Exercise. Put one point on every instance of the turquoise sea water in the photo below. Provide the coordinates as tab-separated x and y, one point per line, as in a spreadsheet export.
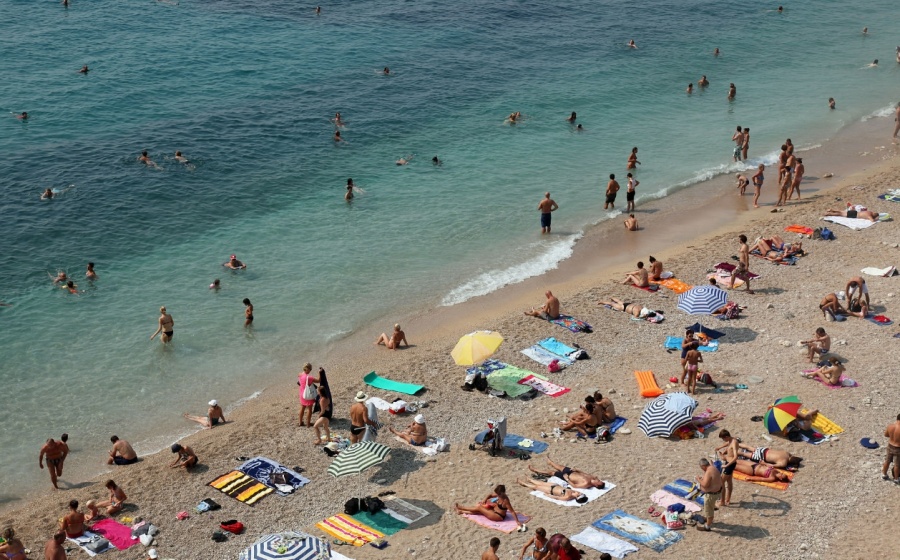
246	90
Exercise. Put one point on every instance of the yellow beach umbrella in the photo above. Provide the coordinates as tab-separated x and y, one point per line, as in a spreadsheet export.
476	347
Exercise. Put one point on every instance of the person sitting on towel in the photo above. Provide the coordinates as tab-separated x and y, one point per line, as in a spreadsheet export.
548	311
803	422
494	507
584	421
830	374
760	472
553	491
416	433
775	457
604	409
656	268
638	277
575	477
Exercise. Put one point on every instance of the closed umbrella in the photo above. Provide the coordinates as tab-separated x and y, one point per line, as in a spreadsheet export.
666	413
291	545
476	347
357	458
702	300
782	413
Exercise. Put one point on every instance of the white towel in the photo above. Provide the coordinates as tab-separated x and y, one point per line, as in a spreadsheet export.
852	223
603	542
338	556
591	493
380	404
872	271
667	274
86	538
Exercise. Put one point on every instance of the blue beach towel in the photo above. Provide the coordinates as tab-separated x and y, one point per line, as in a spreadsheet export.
556	347
543	356
617	423
675	342
572	324
262	468
486	367
637	530
512	441
685	489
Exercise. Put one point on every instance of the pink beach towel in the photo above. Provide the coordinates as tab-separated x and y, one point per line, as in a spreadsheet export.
665	499
544	386
508	525
116	533
845	382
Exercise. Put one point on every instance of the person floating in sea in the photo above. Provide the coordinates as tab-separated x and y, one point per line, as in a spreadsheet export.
873	64
579	128
348	196
629	192
386	71
180	158
318	10
690	88
337	136
23	116
632	159
337	120
703	82
631	44
780	9
216	285
60	277
166	326
611	189
145	159
546	206
248	313
214	416
831	103
234	264
84	69
73	289
47	194
716	52
732	91
405	159
513	118
865	30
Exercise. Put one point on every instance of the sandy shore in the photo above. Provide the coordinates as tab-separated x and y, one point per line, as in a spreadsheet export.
835	508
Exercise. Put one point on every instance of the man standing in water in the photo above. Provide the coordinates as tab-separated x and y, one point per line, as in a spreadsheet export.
166	326
55	452
611	189
546	206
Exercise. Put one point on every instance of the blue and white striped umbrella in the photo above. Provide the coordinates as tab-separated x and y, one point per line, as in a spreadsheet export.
291	545
667	413
702	300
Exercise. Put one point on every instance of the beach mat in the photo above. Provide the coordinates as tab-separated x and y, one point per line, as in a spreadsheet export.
651	288
381	522
242	487
603	542
591	493
675	285
796	228
776	485
617	423
637	530
261	468
544	356
86	538
825	426
883	272
507	380
685	489
891	196
666	499
850	383
674	342
544	386
573	324
508	525
647	385
512	441
117	534
386	384
402	510
349	530
852	223
723	280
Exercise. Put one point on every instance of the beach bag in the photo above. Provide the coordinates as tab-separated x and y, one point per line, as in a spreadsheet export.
373	504
441	444
97	544
351	506
817	233
707	379
310	391
732	310
232	526
553	366
672	521
219	536
279	478
828	235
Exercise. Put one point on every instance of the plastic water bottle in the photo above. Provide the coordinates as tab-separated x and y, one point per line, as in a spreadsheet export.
767	438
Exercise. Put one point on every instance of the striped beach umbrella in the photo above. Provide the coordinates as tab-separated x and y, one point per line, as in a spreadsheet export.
291	545
702	300
782	413
357	458
666	413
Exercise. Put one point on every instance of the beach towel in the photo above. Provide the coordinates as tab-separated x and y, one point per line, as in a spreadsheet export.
651	288
685	489
723	280
845	382
262	468
512	441
675	343
708	332
885	272
665	499
544	386
675	285
572	324
347	529
647	385
728	268
402	510
891	196
335	555
617	423
603	542
879	320
507	380
635	529
795	228
386	384
556	347
86	538
825	426
852	223
544	357
381	522
591	493
508	525
776	485
380	404
242	487
117	534
486	367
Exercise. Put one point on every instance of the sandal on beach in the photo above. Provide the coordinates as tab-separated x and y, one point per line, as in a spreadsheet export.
756	418
741	386
338	542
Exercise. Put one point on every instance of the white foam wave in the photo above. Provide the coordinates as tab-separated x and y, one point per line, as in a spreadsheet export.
879	113
495	279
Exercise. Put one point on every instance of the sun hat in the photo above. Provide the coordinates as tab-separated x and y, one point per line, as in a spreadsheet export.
214	402
868	443
361	397
419	419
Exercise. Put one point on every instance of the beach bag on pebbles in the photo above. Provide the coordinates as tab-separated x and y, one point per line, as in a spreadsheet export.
351	506
373	504
672	521
97	544
233	526
553	366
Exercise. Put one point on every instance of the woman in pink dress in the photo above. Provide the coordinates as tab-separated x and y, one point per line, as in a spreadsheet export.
306	406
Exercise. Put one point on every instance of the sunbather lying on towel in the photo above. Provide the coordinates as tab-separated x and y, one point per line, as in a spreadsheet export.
634	309
830	374
857	211
493	507
775	457
760	472
803	421
553	491
585	421
575	477
702	422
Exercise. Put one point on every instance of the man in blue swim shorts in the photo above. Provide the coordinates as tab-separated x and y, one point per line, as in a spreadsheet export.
546	206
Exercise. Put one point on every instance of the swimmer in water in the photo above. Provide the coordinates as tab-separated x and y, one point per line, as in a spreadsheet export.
703	81
690	88
780	9
90	274
349	195
337	136
234	264
513	118
632	159
145	159
631	44
337	120
571	118
216	285
47	194
405	160
318	10
873	65
84	69
23	116
831	103
716	52
73	289
732	91
898	55
579	128
180	158
386	71
60	277
436	162
865	30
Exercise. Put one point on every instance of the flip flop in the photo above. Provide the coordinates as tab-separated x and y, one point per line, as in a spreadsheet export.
756	418
651	509
741	386
656	514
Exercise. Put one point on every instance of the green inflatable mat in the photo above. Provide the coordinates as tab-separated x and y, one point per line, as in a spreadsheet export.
379	382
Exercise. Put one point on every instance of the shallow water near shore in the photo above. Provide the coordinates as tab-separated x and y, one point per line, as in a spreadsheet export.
245	90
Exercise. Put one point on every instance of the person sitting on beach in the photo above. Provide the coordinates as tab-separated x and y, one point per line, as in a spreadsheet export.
656	269
53	549
830	304
116	499
638	277
603	408
491	552
234	264
93	512
803	422
775	457
548	311
73	522
583	421
494	507
393	341
858	308
214	416
830	374
561	548
186	458
554	491
540	543
631	223
13	548
415	434
759	472
634	309
818	345
121	453
574	477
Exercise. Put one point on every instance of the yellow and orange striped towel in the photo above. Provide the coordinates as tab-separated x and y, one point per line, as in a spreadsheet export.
349	530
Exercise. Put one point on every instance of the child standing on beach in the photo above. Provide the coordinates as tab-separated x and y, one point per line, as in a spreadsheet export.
693	358
758	179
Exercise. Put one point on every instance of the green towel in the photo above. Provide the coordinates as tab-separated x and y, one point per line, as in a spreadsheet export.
507	379
379	382
381	522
